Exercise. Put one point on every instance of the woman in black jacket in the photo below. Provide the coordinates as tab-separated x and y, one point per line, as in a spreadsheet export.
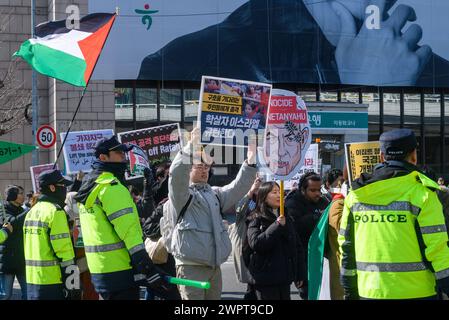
275	254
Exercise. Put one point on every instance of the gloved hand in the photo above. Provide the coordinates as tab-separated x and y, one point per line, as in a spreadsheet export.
160	286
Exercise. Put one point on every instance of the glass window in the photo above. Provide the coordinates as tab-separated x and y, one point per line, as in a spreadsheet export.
191	102
372	100
170	105
146	103
123	103
432	112
307	95
352	97
392	110
328	96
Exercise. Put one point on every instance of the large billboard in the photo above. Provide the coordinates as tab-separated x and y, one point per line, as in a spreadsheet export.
359	42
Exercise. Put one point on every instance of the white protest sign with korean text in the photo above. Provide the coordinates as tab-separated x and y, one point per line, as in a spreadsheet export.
79	149
230	109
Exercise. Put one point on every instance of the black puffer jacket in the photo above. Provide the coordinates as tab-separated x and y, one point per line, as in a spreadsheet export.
305	214
277	256
12	257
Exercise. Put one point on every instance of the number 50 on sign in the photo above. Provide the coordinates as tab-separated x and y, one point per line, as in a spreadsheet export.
46	136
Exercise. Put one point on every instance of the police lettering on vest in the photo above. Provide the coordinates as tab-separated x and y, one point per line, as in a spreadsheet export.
382	218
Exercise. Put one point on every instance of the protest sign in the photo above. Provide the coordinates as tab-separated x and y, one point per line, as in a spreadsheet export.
36	171
156	144
287	135
311	164
9	151
79	149
229	108
361	157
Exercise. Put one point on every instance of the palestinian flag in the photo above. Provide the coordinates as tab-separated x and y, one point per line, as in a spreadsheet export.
69	55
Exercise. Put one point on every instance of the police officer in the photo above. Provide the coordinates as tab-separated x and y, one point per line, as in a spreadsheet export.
393	237
112	233
49	254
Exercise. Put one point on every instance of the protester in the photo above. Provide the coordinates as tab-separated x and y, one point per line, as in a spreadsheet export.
440	181
397	209
200	240
160	186
112	235
333	179
277	257
332	250
27	202
237	233
305	207
48	247
71	208
12	257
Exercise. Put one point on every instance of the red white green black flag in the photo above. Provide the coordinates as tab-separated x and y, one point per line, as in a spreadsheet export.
66	54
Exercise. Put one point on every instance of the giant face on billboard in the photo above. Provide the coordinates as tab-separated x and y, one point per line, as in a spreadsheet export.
360	42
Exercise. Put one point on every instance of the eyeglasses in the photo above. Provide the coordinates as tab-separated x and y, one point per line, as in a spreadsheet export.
200	167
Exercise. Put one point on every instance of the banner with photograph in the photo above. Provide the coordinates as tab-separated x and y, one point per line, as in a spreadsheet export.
361	157
288	41
155	145
79	149
287	135
36	171
229	108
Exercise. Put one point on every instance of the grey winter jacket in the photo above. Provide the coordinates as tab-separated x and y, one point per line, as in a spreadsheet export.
201	237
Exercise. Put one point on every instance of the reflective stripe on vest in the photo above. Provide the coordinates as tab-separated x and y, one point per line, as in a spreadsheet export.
140	276
394	206
348	272
119	213
31	223
59	236
433	229
67	263
136	248
391	267
39	263
105	247
342	232
442	274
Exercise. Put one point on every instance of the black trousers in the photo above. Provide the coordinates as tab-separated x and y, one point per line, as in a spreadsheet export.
128	294
281	292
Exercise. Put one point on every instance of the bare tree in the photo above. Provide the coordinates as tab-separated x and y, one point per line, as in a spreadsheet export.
15	100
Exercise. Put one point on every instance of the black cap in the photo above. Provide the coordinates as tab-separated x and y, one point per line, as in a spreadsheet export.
398	142
105	145
52	177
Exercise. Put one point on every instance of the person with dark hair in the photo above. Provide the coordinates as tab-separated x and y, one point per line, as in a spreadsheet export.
49	254
333	179
397	209
276	256
200	240
160	186
12	258
305	206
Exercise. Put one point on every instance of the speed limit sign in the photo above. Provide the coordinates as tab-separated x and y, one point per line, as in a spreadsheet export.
46	136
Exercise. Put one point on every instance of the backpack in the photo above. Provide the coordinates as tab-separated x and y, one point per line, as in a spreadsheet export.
241	251
168	221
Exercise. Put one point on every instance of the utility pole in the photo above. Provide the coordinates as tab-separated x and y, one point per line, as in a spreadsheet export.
35	100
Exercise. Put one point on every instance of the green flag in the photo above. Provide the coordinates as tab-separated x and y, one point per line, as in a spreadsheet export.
10	151
315	252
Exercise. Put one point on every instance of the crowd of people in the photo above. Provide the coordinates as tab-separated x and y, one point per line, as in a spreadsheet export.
98	238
